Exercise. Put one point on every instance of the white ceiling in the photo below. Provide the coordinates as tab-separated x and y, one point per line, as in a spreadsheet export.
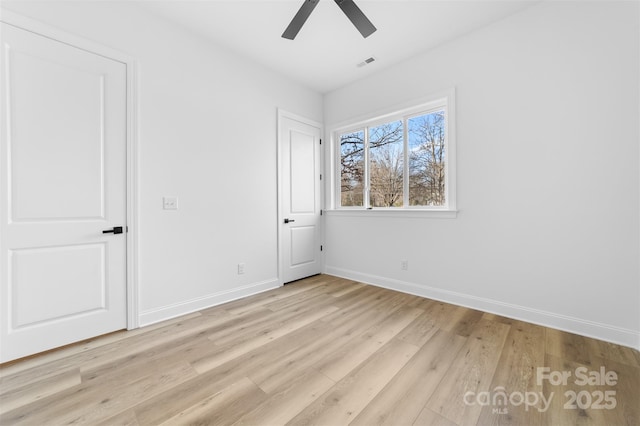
325	54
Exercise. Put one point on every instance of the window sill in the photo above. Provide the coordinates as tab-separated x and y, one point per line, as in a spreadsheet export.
395	213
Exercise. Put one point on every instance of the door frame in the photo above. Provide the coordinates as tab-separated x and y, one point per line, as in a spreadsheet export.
282	114
132	105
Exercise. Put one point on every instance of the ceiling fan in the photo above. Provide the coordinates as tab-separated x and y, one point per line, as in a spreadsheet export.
353	12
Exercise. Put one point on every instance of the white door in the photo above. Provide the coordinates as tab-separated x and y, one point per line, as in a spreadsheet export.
62	183
299	154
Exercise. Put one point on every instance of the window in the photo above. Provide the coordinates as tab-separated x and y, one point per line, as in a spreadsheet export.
404	160
352	169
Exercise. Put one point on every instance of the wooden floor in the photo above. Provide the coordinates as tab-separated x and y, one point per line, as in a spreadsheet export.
326	351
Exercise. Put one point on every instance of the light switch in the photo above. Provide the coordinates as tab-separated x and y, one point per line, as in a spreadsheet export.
170	203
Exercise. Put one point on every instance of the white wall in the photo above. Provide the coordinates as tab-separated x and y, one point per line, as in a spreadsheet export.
548	173
208	136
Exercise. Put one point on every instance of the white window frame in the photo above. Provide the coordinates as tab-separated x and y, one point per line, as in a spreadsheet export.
436	102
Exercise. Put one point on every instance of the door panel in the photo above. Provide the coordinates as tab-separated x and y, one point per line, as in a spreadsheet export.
303	245
46	182
42	272
300	193
303	179
62	182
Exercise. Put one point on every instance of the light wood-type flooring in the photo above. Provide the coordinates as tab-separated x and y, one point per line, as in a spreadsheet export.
327	351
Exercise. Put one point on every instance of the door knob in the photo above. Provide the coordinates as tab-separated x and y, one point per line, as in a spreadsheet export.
115	230
289	220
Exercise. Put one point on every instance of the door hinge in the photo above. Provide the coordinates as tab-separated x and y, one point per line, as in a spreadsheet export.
320	212
320	176
320	141
320	248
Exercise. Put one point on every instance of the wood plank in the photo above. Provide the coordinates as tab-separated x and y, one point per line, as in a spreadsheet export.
627	392
346	288
445	315
124	418
558	413
29	363
329	341
32	392
420	331
471	371
345	359
40	367
87	404
349	396
429	418
99	354
404	397
184	395
261	299
287	401
223	407
268	320
355	303
226	353
299	299
498	318
568	346
466	323
422	303
521	357
609	351
636	355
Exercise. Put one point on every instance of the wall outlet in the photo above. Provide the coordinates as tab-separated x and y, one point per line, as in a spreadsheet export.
240	268
404	265
170	203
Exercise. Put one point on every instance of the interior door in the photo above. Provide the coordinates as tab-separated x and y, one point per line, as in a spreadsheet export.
299	153
62	184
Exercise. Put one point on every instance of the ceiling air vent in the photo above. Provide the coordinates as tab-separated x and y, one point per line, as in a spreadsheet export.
366	62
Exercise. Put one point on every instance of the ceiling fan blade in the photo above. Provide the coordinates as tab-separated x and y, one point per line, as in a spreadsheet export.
355	15
301	17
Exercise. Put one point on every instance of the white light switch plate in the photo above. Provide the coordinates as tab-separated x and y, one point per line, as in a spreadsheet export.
170	203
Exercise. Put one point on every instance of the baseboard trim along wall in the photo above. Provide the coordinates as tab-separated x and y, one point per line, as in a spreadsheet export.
175	310
586	328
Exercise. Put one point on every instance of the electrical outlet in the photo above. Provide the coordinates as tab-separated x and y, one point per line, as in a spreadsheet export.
240	268
170	203
404	265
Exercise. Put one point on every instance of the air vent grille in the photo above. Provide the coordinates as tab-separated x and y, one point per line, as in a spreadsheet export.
366	62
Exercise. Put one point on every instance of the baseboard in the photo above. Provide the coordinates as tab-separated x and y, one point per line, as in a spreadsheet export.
171	311
579	326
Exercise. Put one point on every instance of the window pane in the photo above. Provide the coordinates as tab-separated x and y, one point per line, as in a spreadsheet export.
352	169
386	165
427	159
